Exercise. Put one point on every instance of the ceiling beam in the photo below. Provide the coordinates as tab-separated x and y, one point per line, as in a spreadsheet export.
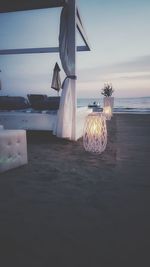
36	50
81	30
19	5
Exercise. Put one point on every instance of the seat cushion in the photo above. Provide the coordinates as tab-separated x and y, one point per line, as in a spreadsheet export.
13	103
37	101
53	102
43	102
13	149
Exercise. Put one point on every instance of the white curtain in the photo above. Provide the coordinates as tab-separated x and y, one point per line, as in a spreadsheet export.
66	116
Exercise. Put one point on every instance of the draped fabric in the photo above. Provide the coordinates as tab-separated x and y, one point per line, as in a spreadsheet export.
66	115
64	53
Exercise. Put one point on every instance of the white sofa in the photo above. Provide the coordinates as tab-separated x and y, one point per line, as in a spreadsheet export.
13	149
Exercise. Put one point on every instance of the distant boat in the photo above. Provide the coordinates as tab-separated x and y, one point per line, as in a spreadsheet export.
94	105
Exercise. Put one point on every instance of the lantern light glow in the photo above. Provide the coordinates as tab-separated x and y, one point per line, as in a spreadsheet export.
107	110
95	133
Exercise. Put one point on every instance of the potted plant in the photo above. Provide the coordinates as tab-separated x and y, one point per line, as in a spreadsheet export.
107	90
108	103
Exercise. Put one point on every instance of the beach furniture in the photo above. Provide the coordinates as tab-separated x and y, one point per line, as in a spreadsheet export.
43	102
13	149
43	120
66	123
38	120
13	103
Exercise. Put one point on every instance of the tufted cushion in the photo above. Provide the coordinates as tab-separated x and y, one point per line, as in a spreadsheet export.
13	149
53	102
37	101
43	102
13	103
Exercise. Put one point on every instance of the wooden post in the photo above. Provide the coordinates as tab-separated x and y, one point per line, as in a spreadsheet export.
72	53
0	83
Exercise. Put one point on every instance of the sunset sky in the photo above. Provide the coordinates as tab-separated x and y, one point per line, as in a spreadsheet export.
118	32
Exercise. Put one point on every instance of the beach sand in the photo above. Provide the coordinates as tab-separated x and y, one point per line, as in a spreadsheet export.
71	208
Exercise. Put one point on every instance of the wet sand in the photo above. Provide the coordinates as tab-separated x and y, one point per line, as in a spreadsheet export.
71	208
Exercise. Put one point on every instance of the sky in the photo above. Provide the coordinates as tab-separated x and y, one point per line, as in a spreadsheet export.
118	32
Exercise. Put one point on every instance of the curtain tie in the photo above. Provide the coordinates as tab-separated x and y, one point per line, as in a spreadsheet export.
73	77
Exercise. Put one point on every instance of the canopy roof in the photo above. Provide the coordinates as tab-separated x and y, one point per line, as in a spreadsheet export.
19	5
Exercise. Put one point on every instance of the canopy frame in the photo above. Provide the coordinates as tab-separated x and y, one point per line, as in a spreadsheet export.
73	23
8	6
17	5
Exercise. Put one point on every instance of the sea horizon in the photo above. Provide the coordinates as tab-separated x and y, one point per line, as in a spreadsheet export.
121	104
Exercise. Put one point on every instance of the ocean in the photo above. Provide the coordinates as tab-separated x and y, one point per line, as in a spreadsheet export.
121	105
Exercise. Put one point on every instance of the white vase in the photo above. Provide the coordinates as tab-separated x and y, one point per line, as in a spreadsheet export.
109	101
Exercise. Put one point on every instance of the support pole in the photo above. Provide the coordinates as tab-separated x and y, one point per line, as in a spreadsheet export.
72	53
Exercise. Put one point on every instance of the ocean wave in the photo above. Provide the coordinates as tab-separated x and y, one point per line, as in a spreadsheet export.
132	110
122	105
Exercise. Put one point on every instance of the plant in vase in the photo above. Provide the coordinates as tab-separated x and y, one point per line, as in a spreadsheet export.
107	90
108	103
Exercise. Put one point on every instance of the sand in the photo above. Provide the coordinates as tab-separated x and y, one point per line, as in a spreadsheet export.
71	208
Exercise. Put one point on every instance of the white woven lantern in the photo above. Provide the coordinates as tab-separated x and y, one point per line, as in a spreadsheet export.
95	133
107	111
108	107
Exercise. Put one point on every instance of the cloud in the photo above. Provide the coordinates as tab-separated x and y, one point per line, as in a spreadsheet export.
129	78
136	77
137	68
138	64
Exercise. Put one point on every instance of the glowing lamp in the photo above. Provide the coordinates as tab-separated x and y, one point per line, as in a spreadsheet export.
95	133
107	111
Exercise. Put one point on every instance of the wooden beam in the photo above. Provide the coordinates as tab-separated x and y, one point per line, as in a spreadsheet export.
36	50
82	31
29	51
82	48
19	5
